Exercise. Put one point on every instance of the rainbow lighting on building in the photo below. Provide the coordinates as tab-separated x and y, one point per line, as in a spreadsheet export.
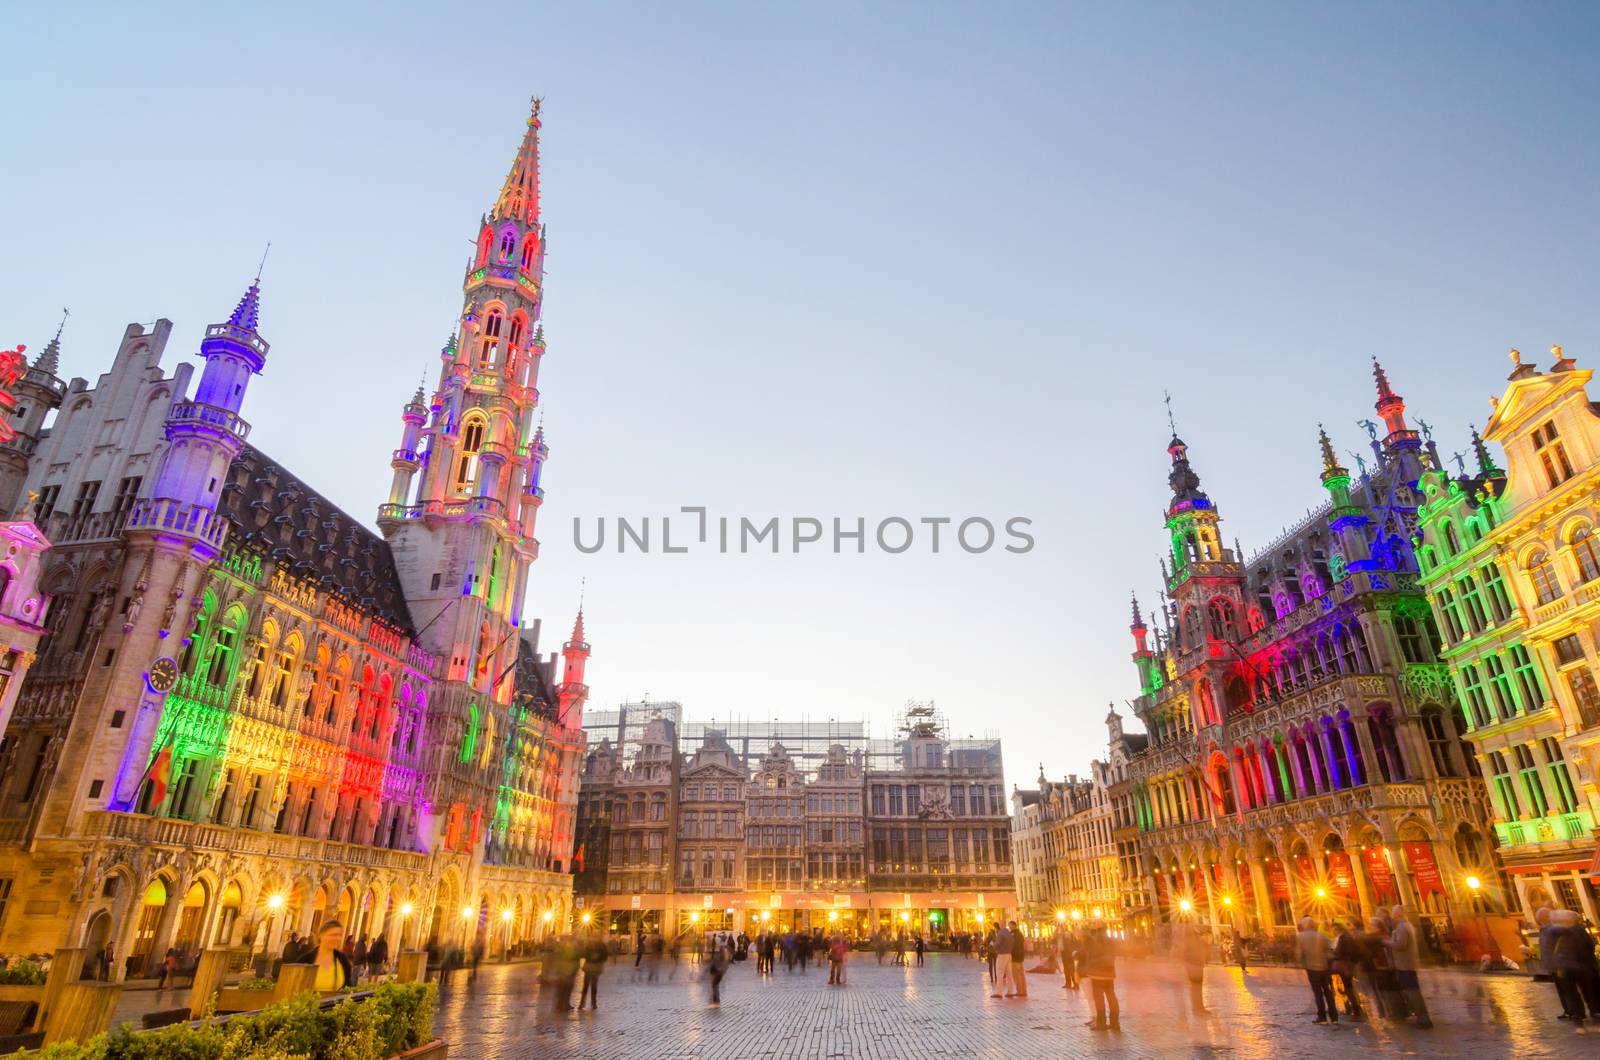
250	712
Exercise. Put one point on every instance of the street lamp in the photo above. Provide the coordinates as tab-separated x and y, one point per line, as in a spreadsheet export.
1077	914
587	917
275	902
694	918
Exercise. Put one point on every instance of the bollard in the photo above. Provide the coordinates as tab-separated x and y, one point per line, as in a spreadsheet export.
208	976
413	966
294	979
82	1010
65	968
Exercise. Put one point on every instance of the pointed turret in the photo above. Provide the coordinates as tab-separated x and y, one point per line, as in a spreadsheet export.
1330	461
1392	408
49	359
1480	449
573	692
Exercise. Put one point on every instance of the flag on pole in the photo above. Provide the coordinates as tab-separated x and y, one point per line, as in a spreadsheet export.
159	775
577	859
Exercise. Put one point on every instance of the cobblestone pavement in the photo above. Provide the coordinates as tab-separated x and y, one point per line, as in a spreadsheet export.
944	1010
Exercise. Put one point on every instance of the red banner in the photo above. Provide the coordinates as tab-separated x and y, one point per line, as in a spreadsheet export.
1216	874
1161	888
1247	884
1199	886
1341	874
1305	871
1423	868
1377	865
1277	879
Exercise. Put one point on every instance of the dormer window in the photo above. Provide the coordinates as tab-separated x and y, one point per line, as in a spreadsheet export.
1552	454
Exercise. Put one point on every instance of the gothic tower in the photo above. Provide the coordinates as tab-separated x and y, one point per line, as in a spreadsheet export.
573	692
36	392
465	497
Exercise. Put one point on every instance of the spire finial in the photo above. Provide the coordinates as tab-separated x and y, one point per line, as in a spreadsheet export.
1171	423
1486	465
1516	356
1330	462
1138	619
65	313
263	263
49	359
1382	378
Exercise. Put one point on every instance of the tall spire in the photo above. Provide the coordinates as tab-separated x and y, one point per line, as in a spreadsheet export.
1392	408
519	196
247	314
1486	465
1330	462
1384	393
49	359
1138	619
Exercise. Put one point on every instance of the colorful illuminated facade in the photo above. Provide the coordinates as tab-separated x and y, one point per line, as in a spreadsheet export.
250	712
1511	560
1303	752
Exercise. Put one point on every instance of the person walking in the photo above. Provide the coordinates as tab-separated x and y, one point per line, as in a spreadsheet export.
1193	949
880	944
1315	955
1066	944
1098	962
838	953
378	955
990	957
1019	958
638	954
803	952
594	963
1345	963
1004	984
716	968
1239	953
1403	949
921	947
1572	964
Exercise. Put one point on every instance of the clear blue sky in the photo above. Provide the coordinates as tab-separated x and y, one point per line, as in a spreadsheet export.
837	261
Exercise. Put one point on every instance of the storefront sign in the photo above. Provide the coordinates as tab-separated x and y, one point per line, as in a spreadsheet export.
1341	874
842	901
705	901
1377	866
633	902
1420	857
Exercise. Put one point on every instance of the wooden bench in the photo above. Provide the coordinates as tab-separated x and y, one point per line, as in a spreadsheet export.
164	1018
17	1016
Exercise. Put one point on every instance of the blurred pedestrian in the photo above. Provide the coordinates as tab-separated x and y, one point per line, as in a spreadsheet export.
1004	984
1315	957
1097	962
716	968
594	964
1572	963
1403	951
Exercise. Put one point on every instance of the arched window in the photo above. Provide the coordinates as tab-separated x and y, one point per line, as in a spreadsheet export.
1438	737
489	343
508	244
485	241
530	250
467	461
518	327
1192	633
1236	693
1208	705
1545	584
1347	651
1222	627
1447	534
1587	553
1222	784
1385	744
1338	760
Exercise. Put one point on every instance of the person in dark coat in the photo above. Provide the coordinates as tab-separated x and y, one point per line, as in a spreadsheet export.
1572	963
1097	962
594	963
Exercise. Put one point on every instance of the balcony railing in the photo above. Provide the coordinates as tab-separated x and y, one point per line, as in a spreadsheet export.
178	517
145	831
190	412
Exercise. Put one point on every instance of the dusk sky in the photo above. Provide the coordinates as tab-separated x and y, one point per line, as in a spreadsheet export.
836	261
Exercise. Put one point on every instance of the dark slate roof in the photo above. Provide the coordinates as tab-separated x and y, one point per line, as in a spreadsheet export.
534	679
1136	741
276	514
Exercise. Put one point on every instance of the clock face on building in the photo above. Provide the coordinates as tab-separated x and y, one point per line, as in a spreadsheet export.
163	675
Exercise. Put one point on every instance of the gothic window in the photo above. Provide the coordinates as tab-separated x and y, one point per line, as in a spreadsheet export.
222	657
1412	644
1380	726
1347	651
258	671
1545	585
1222	625
530	250
1452	544
508	244
484	243
1191	627
467	462
1438	737
517	328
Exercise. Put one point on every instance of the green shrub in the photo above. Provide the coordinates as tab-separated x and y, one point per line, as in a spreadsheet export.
258	982
22	973
397	1017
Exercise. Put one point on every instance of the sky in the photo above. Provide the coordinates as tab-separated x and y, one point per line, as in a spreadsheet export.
836	261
